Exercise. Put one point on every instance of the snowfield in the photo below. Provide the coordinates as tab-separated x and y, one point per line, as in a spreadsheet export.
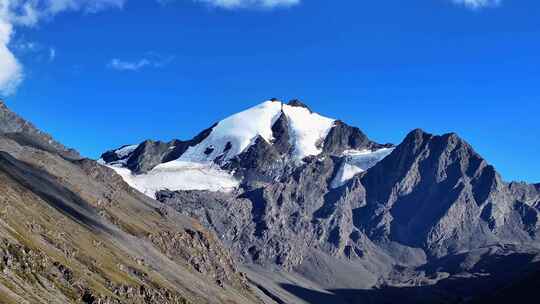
308	131
179	175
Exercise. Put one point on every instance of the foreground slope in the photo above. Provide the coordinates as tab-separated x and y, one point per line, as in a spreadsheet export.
73	231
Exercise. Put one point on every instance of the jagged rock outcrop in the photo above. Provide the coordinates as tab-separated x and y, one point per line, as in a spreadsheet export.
436	193
343	137
281	134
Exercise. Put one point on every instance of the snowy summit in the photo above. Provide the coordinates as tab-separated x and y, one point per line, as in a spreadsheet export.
234	134
200	164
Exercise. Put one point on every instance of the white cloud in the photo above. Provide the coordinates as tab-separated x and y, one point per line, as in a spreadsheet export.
11	73
28	13
121	65
153	61
478	4
32	50
232	4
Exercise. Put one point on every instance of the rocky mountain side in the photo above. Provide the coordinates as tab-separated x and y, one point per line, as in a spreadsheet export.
438	194
299	221
72	231
26	134
315	210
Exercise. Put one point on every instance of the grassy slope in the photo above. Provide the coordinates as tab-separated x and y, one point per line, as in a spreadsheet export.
73	231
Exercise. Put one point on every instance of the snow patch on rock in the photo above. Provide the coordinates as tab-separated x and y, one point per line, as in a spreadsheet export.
125	151
122	154
179	175
357	162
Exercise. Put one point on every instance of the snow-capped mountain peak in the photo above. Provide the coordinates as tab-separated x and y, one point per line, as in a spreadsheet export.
259	144
234	134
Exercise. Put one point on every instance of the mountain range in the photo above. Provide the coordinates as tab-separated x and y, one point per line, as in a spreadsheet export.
275	204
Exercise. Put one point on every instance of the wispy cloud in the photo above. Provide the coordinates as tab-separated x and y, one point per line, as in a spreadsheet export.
233	4
23	46
121	65
28	13
37	51
52	54
478	4
151	61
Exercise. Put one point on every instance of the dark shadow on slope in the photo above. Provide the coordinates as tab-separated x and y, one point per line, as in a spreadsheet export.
511	265
33	141
51	191
258	211
522	291
390	295
512	276
267	292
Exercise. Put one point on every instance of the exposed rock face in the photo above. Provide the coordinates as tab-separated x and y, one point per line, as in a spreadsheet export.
282	136
261	163
148	155
72	231
270	224
26	134
203	253
436	193
343	137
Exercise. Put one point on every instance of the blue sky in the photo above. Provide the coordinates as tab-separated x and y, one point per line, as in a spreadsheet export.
98	78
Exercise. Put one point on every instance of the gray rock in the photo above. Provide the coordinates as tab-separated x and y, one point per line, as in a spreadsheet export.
26	134
436	193
343	137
